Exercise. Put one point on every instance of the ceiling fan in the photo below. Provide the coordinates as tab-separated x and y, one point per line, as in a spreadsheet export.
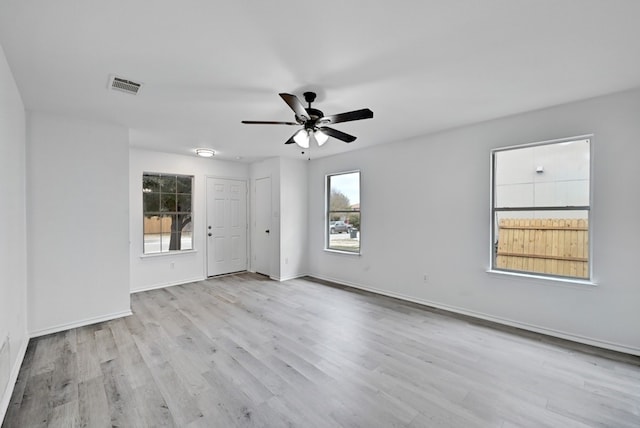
314	122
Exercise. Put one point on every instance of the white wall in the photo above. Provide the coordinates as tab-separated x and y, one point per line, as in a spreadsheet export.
294	224
77	222
148	272
13	238
425	211
288	245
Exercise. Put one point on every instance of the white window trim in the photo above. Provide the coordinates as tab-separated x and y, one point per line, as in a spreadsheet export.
349	253
548	278
167	253
545	277
144	255
326	213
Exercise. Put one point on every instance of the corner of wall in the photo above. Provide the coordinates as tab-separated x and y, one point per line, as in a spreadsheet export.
14	337
5	400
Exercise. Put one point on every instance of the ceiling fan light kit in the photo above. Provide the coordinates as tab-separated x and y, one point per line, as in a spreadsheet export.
305	136
320	137
302	138
314	121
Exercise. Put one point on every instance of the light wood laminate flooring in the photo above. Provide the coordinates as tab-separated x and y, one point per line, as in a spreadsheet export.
244	351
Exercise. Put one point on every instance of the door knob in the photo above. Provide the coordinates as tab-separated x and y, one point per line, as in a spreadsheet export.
209	234
266	231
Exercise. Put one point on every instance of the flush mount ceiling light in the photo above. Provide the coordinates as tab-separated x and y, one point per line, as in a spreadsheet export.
314	121
205	153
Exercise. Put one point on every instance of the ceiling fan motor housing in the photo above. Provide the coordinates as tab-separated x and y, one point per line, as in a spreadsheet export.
314	115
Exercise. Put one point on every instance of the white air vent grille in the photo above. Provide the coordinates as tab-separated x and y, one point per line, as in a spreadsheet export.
124	85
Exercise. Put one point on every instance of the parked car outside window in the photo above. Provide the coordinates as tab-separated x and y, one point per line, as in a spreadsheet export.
339	227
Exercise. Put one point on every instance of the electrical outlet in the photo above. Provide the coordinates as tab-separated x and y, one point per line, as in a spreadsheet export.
172	265
425	278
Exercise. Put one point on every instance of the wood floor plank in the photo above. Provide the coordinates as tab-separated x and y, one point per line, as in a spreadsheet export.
93	406
180	401
245	351
105	344
35	410
65	415
119	394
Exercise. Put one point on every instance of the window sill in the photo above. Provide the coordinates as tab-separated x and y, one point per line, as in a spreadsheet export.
349	253
170	253
549	279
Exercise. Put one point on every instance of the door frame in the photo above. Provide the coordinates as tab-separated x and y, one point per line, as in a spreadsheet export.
206	217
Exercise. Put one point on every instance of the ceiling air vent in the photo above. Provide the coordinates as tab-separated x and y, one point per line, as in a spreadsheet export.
123	85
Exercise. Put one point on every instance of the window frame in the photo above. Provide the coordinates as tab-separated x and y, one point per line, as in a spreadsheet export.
493	228
328	212
161	213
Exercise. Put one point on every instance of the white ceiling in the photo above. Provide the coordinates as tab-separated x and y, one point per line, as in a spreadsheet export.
421	66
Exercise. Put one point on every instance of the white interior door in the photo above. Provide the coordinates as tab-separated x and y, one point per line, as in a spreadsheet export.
226	226
262	226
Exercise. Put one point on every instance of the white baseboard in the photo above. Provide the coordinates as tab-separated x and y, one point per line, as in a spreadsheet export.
504	321
167	284
287	278
13	377
81	323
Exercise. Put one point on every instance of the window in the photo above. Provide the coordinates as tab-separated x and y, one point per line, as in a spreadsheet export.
167	212
343	212
540	208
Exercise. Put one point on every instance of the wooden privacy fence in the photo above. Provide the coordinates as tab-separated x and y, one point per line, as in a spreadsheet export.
551	246
157	224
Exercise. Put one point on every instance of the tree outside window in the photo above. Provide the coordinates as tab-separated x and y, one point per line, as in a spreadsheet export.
167	212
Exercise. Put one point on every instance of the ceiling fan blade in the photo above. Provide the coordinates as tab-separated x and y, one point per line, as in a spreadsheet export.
337	134
296	106
291	140
267	122
364	113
